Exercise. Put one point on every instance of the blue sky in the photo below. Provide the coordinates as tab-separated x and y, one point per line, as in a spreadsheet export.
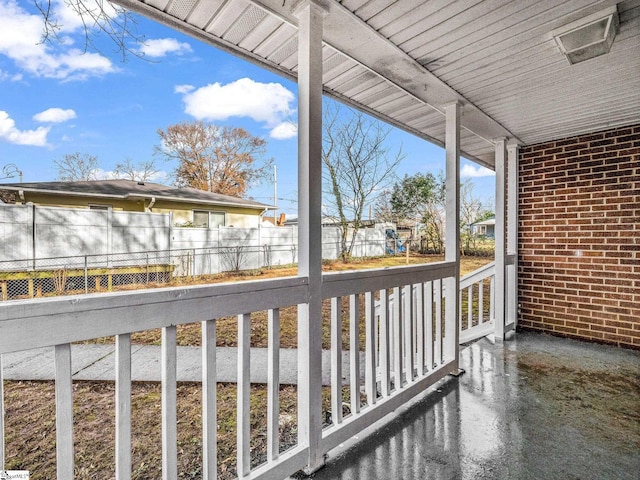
56	100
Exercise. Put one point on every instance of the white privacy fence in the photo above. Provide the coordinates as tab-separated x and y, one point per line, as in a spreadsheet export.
391	318
57	251
31	235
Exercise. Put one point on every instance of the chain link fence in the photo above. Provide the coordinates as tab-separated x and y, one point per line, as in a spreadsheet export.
69	275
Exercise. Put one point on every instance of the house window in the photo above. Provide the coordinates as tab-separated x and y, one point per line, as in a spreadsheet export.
208	219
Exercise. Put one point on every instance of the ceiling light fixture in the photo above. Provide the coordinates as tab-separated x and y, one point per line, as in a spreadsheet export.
588	37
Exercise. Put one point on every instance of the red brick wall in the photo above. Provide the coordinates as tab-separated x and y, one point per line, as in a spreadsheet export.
579	237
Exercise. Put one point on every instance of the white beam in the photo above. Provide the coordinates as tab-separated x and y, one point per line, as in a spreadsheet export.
500	233
452	232
348	34
310	22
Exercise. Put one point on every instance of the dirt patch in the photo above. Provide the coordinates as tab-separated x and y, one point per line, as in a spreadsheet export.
30	429
602	404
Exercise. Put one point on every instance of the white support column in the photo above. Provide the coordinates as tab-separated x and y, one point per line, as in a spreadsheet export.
310	17
452	234
2	446
512	236
500	231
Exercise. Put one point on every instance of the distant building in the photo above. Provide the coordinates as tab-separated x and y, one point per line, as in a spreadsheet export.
486	228
188	206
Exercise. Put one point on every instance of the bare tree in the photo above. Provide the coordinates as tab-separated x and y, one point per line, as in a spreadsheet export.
97	17
140	172
216	159
77	166
471	211
383	209
357	165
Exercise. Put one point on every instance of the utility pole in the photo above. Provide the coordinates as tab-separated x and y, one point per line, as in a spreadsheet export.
275	195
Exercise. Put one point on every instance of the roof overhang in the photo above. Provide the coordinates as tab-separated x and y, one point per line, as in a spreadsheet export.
131	196
405	61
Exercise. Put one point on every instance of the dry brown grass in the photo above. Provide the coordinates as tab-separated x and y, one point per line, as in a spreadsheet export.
227	328
30	407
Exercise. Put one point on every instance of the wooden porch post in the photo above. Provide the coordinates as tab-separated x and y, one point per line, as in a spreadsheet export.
500	247
512	237
310	18
452	234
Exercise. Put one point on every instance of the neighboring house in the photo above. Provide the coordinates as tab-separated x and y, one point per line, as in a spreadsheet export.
486	228
189	207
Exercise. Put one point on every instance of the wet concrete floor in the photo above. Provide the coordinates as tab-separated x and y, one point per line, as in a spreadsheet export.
533	407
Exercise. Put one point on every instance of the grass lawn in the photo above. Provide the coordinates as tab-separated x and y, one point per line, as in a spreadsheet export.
29	406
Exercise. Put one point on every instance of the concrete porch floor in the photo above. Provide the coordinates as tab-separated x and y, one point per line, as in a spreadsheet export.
533	407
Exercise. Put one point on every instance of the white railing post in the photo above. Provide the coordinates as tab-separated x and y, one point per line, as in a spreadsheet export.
385	356
310	25
452	234
408	332
64	412
500	232
209	401
244	391
336	360
354	353
420	325
428	307
169	402
437	349
396	338
123	406
273	385
370	348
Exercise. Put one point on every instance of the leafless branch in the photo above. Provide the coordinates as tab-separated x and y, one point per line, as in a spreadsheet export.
98	17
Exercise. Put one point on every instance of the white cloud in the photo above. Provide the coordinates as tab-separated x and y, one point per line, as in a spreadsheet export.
13	77
284	131
183	89
266	103
160	47
471	171
55	115
21	41
11	134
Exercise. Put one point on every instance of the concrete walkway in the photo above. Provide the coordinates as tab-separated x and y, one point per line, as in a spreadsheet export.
97	362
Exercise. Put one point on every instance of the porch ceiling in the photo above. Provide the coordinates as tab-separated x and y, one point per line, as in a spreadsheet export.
404	60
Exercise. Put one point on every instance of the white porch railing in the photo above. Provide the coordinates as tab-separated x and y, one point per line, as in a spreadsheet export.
404	341
477	303
396	367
